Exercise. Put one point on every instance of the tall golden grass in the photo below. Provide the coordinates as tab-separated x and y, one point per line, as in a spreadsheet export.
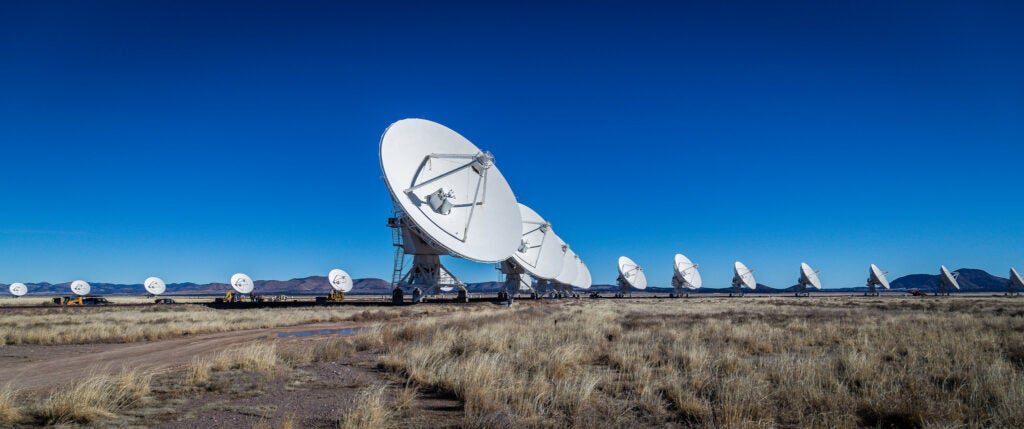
121	325
702	362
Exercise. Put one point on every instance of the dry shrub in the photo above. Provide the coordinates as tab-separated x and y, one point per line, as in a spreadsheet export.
96	397
9	411
371	411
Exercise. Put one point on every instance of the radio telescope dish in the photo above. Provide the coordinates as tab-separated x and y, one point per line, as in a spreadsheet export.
631	276
808	277
539	254
569	265
685	276
18	289
154	285
742	277
876	277
340	280
947	280
450	198
583	279
81	287
241	283
1016	281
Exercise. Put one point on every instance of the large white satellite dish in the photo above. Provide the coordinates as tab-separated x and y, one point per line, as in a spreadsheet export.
808	277
631	276
685	276
81	287
242	283
570	270
154	285
742	277
947	280
539	254
340	280
1016	281
876	277
450	198
18	289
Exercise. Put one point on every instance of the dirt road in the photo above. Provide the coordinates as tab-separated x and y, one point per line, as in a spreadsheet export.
35	367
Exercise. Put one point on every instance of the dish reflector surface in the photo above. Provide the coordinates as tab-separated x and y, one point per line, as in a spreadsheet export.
686	270
340	280
809	275
585	273
1014	277
451	190
241	283
18	289
744	274
155	285
632	272
80	287
878	277
949	278
538	253
569	265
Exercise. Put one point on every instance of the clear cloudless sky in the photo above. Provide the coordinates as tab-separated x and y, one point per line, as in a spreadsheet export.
193	140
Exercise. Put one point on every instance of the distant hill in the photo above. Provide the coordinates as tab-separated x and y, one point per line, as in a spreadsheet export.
971	280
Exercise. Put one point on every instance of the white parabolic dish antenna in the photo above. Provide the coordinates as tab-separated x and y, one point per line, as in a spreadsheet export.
451	190
241	283
1015	278
155	285
878	277
808	276
539	252
340	280
18	289
686	272
582	280
744	275
949	278
632	273
569	265
80	287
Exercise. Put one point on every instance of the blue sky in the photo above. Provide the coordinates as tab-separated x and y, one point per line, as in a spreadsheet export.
192	140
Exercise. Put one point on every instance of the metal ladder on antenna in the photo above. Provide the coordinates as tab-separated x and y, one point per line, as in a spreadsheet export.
395	223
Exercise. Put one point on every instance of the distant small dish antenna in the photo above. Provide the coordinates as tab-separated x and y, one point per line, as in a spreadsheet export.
808	277
80	287
685	276
876	277
947	281
450	199
742	277
18	289
1014	284
155	285
631	276
340	280
242	283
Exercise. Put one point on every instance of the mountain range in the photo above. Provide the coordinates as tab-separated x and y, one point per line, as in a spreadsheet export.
971	280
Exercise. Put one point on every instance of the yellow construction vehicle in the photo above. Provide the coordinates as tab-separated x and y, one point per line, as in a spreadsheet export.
334	296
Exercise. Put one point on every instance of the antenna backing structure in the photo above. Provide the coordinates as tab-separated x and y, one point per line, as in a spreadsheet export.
450	199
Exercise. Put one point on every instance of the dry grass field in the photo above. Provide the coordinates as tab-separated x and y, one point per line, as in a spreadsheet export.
702	362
